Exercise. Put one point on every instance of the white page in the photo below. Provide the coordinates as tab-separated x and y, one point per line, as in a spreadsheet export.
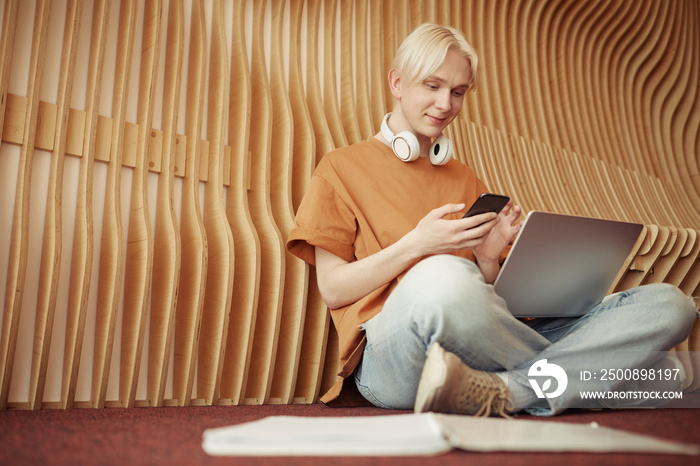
390	435
422	434
495	434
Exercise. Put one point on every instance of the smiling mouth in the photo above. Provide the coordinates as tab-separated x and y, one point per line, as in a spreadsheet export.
436	120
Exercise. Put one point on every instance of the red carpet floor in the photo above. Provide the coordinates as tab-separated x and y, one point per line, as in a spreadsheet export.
172	436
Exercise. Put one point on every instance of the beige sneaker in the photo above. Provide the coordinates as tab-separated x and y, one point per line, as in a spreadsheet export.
447	385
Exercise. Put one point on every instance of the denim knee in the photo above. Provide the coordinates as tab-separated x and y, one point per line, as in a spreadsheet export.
665	312
676	313
456	304
445	275
447	283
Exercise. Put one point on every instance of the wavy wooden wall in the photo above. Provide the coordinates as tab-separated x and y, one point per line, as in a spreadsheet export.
153	154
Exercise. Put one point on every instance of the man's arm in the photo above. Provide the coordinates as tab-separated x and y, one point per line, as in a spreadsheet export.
342	283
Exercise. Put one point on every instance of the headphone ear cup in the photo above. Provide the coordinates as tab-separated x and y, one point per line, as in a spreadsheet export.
441	150
405	146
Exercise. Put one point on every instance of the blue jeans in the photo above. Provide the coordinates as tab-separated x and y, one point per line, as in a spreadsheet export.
445	299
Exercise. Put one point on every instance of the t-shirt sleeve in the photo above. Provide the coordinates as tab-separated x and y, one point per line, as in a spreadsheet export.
325	220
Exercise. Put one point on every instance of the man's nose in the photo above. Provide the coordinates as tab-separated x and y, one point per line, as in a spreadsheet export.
443	101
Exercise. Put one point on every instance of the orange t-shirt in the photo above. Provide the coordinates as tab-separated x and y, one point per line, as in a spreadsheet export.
361	199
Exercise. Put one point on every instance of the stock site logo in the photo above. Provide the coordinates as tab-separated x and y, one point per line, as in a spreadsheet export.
547	371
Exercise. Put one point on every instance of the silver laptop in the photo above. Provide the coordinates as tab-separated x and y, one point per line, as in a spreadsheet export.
561	265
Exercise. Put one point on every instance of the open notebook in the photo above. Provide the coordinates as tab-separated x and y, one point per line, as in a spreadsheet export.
421	435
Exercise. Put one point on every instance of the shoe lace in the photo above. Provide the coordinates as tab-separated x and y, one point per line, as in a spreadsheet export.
483	394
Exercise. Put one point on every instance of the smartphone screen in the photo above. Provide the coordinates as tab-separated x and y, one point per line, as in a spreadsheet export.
487	202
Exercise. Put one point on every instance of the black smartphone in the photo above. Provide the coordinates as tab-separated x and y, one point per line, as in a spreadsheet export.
487	202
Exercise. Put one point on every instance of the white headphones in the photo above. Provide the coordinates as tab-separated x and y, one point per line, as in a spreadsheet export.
406	146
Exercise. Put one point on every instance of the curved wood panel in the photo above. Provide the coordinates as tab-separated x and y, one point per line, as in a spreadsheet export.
689	256
324	139
83	235
291	324
498	69
669	257
386	46
194	261
217	300
246	293
587	108
330	92
167	247
378	76
611	29
686	158
304	161
324	144
272	277
348	115
363	111
17	267
573	26
7	40
113	245
52	240
139	251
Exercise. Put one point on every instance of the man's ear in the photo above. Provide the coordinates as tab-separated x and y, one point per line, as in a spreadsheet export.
395	83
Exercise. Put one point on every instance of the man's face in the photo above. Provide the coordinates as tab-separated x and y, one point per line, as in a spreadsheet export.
430	105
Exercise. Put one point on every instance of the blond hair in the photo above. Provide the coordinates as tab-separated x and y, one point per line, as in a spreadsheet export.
424	50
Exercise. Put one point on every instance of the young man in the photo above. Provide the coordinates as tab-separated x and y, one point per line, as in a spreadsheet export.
407	279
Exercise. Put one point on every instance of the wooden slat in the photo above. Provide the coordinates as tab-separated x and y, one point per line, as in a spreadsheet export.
644	263
675	102
324	139
324	144
53	231
217	300
386	47
525	192
401	12
304	142
316	314
499	98
246	290
19	242
291	323
366	126
669	257
378	72
112	243
139	251
330	91
7	40
167	249
193	272
691	286
523	24
575	30
331	363
348	113
265	338
689	256
323	127
606	29
83	239
685	157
